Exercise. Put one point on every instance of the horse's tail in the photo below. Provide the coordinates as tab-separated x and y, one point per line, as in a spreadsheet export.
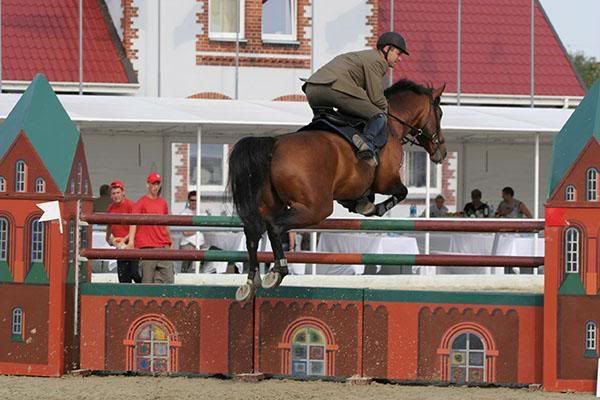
249	170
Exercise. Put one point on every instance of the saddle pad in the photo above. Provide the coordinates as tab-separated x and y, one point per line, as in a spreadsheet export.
323	124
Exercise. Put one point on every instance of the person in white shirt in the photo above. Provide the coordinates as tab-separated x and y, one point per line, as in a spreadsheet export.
437	209
191	240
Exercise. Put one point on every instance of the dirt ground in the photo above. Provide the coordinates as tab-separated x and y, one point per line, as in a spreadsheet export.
147	388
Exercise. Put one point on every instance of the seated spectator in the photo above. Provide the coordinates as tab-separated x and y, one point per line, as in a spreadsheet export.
437	209
101	203
511	207
476	208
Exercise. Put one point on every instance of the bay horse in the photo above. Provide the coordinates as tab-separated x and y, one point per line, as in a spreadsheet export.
290	182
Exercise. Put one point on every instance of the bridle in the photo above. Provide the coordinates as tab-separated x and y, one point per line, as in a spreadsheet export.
415	133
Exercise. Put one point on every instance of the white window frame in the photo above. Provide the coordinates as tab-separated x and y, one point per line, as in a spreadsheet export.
208	188
40	185
4	238
591	336
436	187
37	237
16	326
79	177
591	184
308	360
280	37
20	176
467	350
72	186
227	35
572	250
2	184
570	193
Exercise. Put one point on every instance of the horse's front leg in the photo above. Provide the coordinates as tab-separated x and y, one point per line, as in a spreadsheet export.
399	193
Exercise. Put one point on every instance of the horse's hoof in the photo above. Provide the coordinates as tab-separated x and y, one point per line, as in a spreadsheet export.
245	292
365	208
272	280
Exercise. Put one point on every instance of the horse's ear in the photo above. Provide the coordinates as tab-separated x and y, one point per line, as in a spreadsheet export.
438	91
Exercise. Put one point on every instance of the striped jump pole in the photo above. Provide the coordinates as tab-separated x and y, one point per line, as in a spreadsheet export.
316	258
381	225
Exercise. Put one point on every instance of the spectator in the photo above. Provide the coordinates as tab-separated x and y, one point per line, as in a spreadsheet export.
476	208
191	240
288	241
437	209
101	203
152	236
118	235
510	207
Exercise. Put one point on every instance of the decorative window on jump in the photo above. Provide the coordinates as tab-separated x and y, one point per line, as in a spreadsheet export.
152	349
224	19
592	184
279	20
2	184
4	237
467	359
37	241
591	339
308	352
570	194
17	324
572	250
20	176
40	185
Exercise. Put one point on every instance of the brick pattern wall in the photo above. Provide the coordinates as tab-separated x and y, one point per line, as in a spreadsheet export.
130	11
373	22
291	97
181	167
449	167
253	51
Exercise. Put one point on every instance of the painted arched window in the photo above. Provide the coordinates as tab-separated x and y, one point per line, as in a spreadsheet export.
71	253
20	176
37	241
79	177
308	352
152	348
72	186
572	250
590	336
40	185
86	187
570	193
592	184
2	184
467	359
4	237
17	323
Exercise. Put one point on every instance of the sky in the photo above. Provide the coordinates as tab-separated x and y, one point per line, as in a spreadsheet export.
577	23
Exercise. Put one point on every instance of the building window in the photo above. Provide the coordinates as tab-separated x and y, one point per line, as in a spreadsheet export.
592	184
572	250
590	336
72	186
152	349
20	176
17	323
79	177
71	254
2	184
37	241
213	167
86	187
40	185
467	359
570	193
308	352
224	19
4	239
415	171
279	20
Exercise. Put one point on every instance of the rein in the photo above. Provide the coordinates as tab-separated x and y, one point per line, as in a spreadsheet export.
413	140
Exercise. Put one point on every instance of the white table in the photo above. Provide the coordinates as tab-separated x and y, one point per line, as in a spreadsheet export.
361	243
99	242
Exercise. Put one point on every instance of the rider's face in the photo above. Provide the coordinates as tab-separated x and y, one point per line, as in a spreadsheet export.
393	56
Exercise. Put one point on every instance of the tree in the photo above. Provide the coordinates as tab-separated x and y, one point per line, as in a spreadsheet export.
588	68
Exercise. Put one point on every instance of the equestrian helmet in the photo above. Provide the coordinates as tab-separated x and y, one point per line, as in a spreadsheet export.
392	39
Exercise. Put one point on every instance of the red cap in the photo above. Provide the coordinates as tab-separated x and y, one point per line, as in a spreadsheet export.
153	177
117	184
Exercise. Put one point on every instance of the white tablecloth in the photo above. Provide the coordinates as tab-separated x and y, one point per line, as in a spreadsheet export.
361	243
99	242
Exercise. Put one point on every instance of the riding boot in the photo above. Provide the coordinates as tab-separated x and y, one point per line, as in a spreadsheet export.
371	140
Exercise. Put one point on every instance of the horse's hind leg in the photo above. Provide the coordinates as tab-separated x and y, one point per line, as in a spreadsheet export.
248	290
274	277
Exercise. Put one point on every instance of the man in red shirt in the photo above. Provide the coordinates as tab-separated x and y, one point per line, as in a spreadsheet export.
118	235
152	236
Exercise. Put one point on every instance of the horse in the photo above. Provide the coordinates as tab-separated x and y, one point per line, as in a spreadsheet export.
290	181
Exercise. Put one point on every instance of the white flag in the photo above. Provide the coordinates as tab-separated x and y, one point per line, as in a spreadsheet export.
51	212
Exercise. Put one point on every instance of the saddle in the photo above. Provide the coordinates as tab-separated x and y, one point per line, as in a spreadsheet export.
329	119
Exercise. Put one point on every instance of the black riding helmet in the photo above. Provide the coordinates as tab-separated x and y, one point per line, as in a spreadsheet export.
392	39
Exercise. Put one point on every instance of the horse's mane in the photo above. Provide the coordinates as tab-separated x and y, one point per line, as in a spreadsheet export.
405	84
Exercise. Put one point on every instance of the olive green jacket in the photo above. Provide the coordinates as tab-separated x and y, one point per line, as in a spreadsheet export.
358	74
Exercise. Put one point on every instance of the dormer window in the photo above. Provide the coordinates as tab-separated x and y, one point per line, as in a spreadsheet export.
20	176
570	194
40	185
592	184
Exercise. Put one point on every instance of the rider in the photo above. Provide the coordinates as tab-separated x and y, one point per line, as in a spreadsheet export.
353	83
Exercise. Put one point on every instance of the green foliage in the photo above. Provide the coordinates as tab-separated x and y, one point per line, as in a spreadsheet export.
587	67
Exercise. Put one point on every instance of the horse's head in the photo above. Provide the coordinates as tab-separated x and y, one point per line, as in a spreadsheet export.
417	109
